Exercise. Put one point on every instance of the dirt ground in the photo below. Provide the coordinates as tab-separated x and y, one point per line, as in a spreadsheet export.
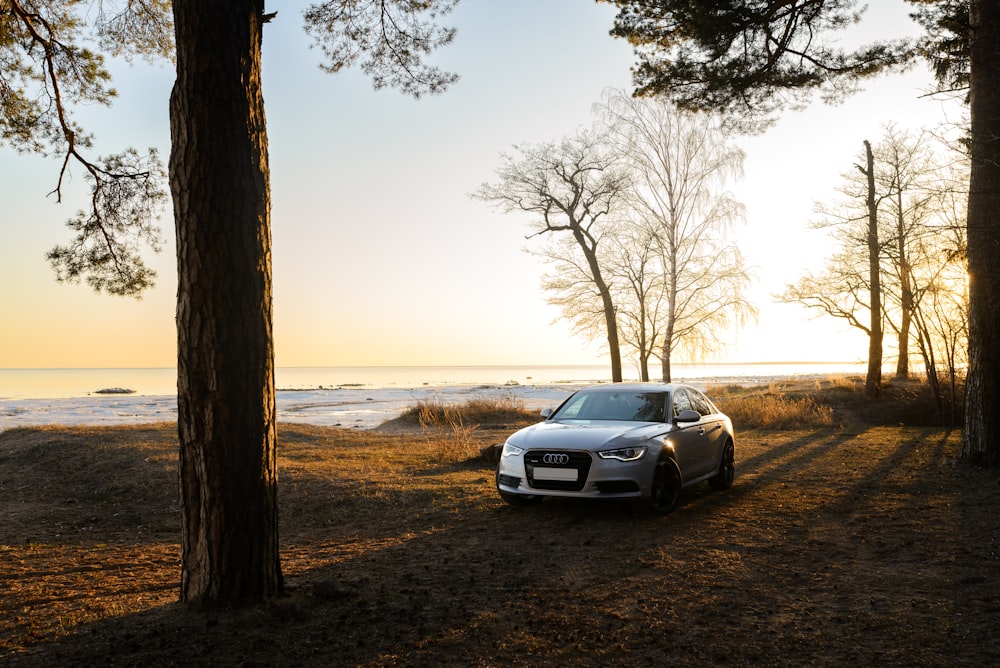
855	544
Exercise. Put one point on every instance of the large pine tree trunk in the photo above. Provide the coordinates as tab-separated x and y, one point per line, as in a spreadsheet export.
225	387
982	412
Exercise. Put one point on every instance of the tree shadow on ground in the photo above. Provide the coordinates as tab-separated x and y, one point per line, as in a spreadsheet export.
832	547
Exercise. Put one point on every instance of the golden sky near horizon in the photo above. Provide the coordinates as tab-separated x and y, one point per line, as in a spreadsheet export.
380	257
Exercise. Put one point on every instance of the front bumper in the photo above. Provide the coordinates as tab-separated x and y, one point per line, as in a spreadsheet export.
573	473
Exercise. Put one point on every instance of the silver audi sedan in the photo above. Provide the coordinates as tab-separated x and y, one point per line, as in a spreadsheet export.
620	441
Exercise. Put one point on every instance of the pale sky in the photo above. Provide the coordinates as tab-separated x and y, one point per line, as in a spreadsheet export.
380	256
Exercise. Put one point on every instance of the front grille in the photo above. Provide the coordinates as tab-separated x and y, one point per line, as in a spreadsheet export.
617	486
576	461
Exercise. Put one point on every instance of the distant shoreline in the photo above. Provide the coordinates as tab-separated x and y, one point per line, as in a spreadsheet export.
159	381
360	407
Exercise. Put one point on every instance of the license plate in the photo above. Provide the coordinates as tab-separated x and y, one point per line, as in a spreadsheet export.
542	473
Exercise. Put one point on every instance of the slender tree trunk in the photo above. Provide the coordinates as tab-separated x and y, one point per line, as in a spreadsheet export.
930	365
668	336
982	409
610	316
225	365
645	345
610	319
873	379
668	344
906	294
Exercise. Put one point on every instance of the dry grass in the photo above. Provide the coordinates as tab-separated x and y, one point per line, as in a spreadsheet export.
774	410
841	382
490	409
855	543
776	406
458	427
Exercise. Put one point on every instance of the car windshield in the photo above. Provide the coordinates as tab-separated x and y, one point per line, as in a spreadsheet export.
627	406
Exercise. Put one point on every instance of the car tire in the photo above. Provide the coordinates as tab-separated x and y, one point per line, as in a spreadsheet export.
666	489
727	468
517	499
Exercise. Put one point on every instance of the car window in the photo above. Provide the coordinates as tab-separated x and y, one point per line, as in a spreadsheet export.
572	407
681	402
629	406
701	403
650	407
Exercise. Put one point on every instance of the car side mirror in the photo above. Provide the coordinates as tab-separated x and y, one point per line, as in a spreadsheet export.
546	412
688	416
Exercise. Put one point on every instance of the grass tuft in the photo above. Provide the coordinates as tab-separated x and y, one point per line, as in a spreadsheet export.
464	421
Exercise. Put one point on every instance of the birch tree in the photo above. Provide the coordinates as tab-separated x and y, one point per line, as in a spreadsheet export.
681	163
631	265
568	187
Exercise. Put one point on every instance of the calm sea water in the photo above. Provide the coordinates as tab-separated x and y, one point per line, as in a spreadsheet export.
58	383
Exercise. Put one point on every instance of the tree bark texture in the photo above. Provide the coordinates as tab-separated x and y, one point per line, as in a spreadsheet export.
225	363
982	412
589	248
665	370
668	337
905	292
873	379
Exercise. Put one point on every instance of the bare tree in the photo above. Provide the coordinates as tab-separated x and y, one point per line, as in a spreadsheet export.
873	378
941	327
917	243
634	261
571	288
682	162
908	173
841	290
851	289
569	187
939	281
630	262
670	278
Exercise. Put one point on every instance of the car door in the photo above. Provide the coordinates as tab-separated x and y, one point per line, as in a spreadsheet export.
688	438
711	429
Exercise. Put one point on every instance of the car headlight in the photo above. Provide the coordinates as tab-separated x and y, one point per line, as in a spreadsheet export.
511	450
624	454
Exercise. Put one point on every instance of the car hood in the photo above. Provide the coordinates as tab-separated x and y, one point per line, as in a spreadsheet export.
586	435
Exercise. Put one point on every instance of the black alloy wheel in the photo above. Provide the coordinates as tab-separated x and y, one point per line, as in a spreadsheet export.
727	468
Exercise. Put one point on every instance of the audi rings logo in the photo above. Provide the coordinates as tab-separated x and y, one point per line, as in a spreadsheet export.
555	458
